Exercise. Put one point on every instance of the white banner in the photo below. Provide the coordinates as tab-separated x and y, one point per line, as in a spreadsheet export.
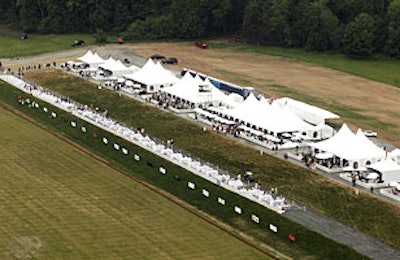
83	129
238	210
191	185
255	218
73	124
45	109
116	147
273	228
54	115
221	201
125	151
162	170
36	105
205	193
105	140
137	157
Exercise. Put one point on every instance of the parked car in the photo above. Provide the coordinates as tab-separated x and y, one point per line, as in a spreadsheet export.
24	36
370	133
157	57
201	45
170	60
78	43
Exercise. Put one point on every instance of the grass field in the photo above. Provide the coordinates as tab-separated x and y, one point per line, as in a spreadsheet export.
313	190
385	71
36	44
58	202
309	245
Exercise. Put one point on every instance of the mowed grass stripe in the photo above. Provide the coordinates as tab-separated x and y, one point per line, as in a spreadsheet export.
58	202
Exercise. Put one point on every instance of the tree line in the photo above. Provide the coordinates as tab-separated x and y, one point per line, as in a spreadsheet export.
359	28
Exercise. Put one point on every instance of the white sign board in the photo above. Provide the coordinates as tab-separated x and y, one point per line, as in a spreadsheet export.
83	129
238	210
45	109
273	228
125	151
105	140
221	201
205	193
137	157
255	218
54	115
162	170
191	185
73	124
116	147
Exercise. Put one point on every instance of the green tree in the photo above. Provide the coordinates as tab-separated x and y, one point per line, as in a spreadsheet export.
255	20
321	27
100	37
359	36
279	23
190	19
392	47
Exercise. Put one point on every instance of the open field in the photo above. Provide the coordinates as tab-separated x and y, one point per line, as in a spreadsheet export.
313	190
58	202
310	245
37	44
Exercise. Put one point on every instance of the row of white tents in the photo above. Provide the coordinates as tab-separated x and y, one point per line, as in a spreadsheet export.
152	76
275	117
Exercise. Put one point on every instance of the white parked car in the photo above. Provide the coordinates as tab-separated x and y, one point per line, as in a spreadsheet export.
370	133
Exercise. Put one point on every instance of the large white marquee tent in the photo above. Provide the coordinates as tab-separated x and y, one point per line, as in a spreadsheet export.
92	59
355	148
153	76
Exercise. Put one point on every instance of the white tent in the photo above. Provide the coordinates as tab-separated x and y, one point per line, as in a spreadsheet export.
115	67
346	145
153	76
196	91
395	155
93	59
388	168
308	113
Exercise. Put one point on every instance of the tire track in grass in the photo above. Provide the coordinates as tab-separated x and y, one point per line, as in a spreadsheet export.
150	187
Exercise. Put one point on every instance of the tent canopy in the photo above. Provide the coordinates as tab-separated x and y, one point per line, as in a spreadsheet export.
93	59
347	145
153	74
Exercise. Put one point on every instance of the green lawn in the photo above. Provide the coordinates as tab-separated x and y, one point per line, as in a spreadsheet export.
386	71
309	245
58	202
14	47
304	186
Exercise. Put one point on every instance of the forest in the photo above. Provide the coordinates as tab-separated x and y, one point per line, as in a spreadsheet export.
358	28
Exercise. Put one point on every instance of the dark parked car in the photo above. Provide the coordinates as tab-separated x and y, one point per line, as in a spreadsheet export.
170	60
24	36
157	57
78	43
201	45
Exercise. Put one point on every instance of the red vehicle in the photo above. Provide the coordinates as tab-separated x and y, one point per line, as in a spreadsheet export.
201	45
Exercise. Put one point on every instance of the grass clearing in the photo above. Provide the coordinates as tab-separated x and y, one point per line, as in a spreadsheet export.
59	202
38	44
313	190
311	245
385	71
